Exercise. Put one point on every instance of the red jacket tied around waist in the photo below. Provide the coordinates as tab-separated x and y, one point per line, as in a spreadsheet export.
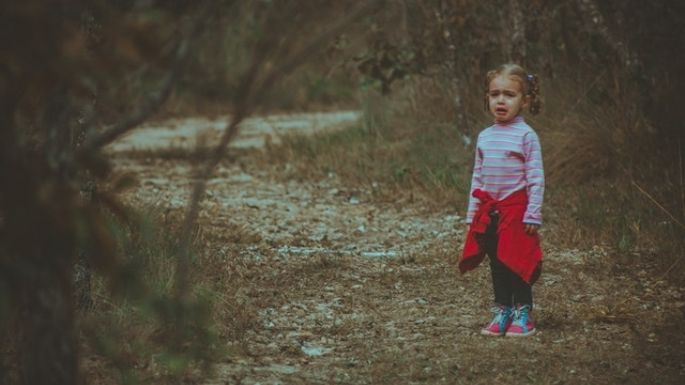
516	249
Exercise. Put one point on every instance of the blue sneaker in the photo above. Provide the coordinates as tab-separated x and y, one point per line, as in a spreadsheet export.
500	323
522	325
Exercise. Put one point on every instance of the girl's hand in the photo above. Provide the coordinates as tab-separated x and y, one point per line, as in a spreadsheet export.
531	229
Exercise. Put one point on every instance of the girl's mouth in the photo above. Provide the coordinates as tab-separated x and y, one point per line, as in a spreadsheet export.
501	110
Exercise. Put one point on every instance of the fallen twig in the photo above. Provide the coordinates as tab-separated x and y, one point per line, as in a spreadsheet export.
667	213
659	205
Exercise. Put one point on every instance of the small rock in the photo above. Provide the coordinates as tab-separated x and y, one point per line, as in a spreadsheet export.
380	254
281	369
313	350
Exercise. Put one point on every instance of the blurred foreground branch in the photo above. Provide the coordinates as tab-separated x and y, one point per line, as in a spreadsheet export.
252	88
186	37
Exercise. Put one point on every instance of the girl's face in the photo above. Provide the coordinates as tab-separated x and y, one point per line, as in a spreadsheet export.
505	98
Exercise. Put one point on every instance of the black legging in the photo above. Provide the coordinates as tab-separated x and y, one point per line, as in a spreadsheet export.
509	288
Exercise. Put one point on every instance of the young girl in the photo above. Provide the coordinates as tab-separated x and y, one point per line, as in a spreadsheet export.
505	204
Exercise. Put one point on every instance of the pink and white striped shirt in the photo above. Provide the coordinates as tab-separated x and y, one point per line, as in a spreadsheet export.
508	159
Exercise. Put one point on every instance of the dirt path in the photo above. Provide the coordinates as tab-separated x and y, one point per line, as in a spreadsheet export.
328	285
184	133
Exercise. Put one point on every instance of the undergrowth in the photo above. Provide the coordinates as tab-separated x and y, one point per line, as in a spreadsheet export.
137	329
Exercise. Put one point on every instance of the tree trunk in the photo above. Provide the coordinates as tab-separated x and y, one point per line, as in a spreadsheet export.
450	33
38	247
517	43
48	350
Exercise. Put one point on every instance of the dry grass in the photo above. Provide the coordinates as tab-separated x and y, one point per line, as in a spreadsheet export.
590	132
598	154
393	154
135	331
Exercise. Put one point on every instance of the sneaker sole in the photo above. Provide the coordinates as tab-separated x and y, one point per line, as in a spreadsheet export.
530	333
489	333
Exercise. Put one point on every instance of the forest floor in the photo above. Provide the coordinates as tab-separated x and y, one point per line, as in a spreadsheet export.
328	283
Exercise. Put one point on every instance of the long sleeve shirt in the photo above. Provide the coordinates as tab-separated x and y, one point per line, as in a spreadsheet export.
509	159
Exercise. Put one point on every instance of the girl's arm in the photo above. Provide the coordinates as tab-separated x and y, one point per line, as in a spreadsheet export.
535	177
476	182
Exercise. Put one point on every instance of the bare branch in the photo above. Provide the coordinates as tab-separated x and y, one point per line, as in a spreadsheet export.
670	215
517	48
199	187
152	105
251	90
659	205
